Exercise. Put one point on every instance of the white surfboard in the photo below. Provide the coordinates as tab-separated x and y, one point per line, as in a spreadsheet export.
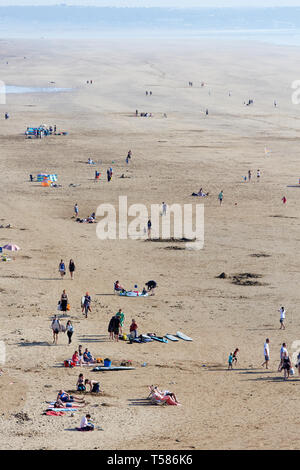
183	336
171	337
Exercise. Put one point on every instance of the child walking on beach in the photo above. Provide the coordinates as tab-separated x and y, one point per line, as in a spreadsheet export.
230	360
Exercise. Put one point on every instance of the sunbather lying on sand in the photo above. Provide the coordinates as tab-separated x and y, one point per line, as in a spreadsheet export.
200	193
61	404
66	398
165	393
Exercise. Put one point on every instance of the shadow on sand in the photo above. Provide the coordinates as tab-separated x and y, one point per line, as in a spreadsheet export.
94	339
140	402
34	343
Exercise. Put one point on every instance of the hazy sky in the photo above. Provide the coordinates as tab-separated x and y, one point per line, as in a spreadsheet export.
158	3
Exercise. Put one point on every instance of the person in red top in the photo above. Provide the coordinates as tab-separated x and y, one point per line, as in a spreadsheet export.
76	359
133	329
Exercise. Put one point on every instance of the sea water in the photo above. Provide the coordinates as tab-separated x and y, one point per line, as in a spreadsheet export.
279	25
22	89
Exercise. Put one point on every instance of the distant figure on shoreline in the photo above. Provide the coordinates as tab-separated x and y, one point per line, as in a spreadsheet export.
129	154
220	197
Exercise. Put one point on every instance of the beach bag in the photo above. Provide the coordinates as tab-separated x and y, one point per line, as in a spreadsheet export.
68	307
59	306
99	359
292	371
107	362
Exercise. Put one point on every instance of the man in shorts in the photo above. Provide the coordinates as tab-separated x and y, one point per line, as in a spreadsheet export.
266	353
282	318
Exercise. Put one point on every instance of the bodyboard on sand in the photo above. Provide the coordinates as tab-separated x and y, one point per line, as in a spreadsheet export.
171	337
183	336
158	338
102	368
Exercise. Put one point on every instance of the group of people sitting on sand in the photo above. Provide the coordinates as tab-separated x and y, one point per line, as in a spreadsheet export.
89	220
200	193
81	358
151	286
83	383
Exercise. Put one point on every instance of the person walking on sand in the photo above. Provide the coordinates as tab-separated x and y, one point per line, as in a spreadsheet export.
111	327
249	175
62	268
234	356
116	328
70	331
129	154
284	200
55	325
149	225
286	364
266	353
258	175
164	208
298	363
71	268
282	318
282	351
121	315
230	360
220	197
86	307
63	301
76	210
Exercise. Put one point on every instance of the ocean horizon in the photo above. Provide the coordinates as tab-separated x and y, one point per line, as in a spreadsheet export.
279	25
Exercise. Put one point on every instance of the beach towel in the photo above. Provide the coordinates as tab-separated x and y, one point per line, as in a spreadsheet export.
50	408
55	413
72	405
133	294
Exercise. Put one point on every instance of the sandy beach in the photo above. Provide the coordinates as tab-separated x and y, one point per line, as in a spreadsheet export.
251	232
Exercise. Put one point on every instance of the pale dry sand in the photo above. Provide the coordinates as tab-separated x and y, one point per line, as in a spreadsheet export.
247	408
